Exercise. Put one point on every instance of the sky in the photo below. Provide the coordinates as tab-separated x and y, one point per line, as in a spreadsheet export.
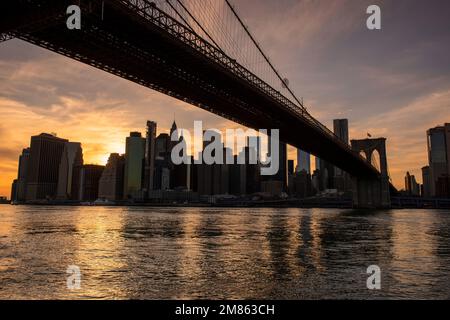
393	82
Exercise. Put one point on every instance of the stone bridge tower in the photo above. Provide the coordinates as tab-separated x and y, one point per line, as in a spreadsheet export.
372	192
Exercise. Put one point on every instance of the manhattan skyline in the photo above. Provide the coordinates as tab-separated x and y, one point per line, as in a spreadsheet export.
393	83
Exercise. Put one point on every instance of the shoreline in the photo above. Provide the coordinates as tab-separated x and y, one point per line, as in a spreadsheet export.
226	206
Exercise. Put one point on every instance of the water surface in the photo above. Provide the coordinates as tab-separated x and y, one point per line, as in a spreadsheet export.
188	253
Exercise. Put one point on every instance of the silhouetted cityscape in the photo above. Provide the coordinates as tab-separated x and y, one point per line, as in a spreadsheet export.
52	170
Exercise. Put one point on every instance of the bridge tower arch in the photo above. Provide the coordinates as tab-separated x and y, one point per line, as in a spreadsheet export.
372	192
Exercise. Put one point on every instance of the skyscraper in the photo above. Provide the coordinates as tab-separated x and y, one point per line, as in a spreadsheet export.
21	182
251	172
412	188
71	158
325	174
282	175
42	176
439	159
89	182
178	173
110	186
134	165
162	174
303	161
172	130
162	145
150	153
426	180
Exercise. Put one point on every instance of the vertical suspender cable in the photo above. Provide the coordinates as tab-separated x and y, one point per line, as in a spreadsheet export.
262	53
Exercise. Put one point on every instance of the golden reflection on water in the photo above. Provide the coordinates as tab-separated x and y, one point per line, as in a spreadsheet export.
98	251
190	267
163	253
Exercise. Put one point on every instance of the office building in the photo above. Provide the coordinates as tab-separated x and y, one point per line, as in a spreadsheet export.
162	145
89	182
42	176
172	130
150	154
438	157
426	182
412	188
303	161
282	174
325	174
72	157
162	174
18	192
112	180
134	166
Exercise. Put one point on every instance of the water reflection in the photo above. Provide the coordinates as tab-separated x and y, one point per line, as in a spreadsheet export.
164	253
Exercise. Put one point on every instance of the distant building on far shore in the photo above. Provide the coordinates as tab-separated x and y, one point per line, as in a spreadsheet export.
18	190
134	166
412	188
43	169
89	182
426	182
71	160
111	182
439	160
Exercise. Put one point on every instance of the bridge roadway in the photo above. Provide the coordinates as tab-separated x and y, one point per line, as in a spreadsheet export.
135	40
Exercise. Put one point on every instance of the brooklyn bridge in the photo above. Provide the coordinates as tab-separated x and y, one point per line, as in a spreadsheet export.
202	53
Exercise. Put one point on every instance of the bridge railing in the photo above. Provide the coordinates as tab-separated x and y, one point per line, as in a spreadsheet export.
149	10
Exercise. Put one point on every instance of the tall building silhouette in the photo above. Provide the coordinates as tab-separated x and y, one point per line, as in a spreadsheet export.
19	189
134	166
439	160
172	130
303	161
71	159
179	174
412	188
89	182
162	174
150	152
250	172
205	172
324	175
426	182
111	182
163	164
277	183
162	145
42	177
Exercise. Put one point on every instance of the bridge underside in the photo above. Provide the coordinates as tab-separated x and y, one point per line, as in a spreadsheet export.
154	51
